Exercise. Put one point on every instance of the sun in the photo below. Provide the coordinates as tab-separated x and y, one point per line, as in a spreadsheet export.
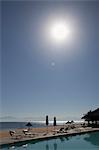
59	31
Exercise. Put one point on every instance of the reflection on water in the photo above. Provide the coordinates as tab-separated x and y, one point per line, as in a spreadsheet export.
67	138
62	139
55	146
47	147
93	138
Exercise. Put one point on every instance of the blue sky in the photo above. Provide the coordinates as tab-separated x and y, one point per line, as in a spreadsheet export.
31	85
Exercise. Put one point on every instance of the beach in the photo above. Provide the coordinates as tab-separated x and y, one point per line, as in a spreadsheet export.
43	133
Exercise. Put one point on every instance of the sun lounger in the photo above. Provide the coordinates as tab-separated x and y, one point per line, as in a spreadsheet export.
15	135
28	133
61	130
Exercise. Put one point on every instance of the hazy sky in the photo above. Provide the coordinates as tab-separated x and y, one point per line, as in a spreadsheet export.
41	76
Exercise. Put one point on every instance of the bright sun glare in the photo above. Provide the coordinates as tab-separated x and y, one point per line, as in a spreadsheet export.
59	31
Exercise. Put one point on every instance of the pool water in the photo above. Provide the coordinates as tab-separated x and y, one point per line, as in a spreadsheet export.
78	142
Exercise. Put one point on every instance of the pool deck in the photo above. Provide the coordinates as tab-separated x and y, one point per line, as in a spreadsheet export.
9	141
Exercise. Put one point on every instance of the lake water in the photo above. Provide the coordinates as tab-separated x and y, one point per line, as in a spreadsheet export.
16	125
78	142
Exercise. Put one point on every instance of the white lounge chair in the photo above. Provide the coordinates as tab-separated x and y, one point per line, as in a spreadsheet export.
27	133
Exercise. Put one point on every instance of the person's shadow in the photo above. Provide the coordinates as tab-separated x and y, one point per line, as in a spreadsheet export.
93	138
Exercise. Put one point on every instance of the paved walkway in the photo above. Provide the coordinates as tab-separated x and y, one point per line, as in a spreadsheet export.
24	139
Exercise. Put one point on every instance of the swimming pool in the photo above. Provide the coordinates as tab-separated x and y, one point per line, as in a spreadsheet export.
78	142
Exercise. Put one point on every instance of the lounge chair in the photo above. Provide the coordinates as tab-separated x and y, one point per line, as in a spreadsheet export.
27	133
14	135
61	130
